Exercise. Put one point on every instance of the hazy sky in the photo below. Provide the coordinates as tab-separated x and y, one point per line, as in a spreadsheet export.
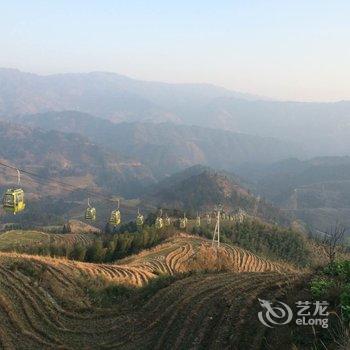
295	49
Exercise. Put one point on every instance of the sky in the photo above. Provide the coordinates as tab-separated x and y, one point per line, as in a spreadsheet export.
288	50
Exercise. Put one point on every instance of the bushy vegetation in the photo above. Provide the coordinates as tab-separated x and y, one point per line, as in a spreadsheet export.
104	248
272	242
333	283
105	293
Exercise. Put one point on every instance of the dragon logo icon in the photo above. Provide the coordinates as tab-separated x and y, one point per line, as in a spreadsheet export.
277	315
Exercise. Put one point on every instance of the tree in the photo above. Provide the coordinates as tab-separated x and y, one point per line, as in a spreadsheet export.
78	252
332	240
66	228
95	252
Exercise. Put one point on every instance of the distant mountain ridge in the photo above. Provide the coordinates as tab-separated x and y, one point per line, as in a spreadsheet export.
317	191
108	95
53	154
319	128
167	147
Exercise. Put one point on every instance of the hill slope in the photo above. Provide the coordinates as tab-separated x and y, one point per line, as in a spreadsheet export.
316	191
55	303
71	157
166	147
201	189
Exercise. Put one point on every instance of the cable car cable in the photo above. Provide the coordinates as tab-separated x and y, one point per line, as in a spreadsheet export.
72	187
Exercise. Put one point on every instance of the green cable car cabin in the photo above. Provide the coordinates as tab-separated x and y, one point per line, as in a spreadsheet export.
13	200
183	222
90	214
159	222
139	219
115	218
198	221
208	219
167	221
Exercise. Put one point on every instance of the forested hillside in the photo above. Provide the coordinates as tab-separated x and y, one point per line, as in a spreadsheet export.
201	189
316	191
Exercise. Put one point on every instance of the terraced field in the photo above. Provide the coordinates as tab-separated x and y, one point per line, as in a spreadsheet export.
217	311
186	253
18	239
45	303
52	311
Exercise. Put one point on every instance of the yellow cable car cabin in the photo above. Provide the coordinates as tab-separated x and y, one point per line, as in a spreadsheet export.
183	222
13	200
208	219
139	219
159	222
198	221
90	214
167	221
115	218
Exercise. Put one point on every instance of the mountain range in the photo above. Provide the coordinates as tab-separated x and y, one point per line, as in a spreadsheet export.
316	191
167	147
319	128
124	136
67	157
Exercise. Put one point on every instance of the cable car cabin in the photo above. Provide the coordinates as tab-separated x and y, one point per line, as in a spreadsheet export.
208	219
139	220
167	221
90	214
183	223
159	222
13	200
115	218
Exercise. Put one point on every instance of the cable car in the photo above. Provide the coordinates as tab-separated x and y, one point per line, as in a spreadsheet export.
159	222
139	218
167	220
198	221
183	222
208	219
115	218
90	212
13	199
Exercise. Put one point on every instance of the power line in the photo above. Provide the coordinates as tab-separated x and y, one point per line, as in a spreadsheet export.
61	183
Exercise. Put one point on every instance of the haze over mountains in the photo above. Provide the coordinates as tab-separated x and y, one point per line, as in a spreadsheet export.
316	191
319	128
52	154
123	135
166	147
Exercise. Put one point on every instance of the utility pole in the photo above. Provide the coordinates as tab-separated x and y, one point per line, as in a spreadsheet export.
216	236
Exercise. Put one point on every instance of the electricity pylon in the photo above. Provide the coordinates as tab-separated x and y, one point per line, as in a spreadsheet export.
216	236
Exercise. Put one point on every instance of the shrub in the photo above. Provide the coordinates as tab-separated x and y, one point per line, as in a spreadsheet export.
320	287
345	302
